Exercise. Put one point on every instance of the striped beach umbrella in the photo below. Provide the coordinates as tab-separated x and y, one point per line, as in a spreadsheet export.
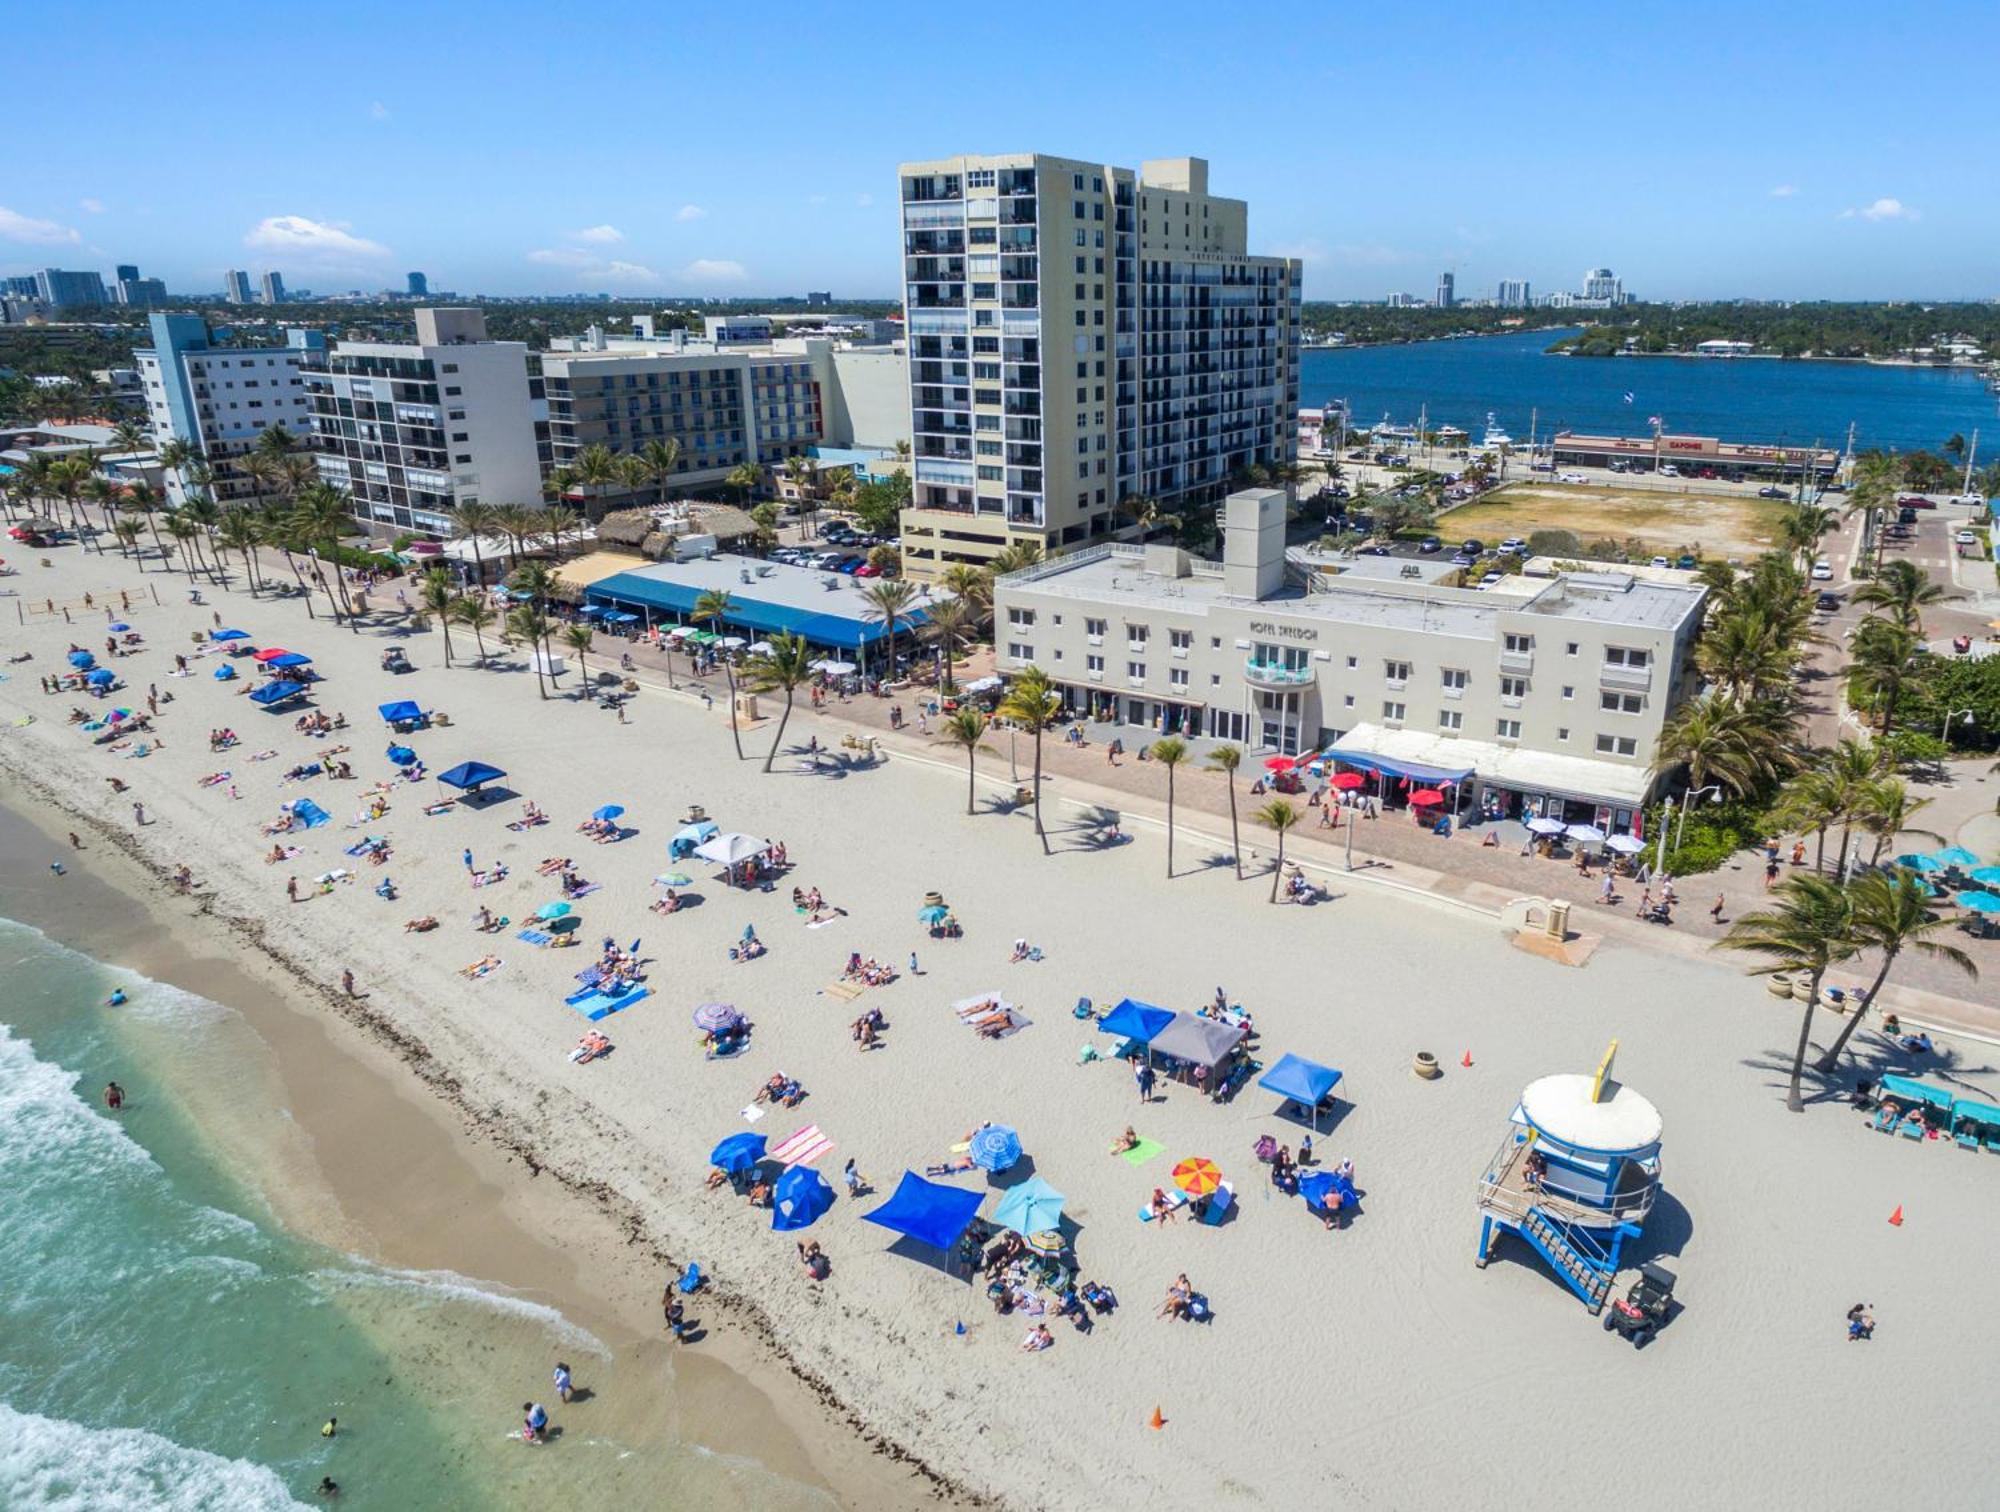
1198	1177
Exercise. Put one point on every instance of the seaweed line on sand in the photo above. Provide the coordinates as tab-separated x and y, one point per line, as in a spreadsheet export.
491	1125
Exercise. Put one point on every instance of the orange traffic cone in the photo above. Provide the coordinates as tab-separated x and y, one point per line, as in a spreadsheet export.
1157	1421
1468	1059
1896	1217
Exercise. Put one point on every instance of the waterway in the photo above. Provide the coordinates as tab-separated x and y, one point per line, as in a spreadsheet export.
1749	399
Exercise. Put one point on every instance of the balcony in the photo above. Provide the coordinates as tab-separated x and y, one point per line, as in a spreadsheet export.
1017	325
946	214
1269	674
1628	679
1517	661
937	322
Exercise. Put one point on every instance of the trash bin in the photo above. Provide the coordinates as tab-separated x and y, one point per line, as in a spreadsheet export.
1558	920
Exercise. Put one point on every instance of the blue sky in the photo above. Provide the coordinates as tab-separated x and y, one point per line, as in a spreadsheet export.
1780	149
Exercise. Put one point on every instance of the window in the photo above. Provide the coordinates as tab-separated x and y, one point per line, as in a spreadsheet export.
1569	692
1182	641
1515	688
1617	745
1094	628
1135	637
1621	656
1508	729
447	367
1348	701
1177	676
1563	733
1454	680
460	436
1451	719
1397	672
1572	648
1020	616
1020	651
1136	671
452	392
1391	710
1352	664
1519	645
1620	703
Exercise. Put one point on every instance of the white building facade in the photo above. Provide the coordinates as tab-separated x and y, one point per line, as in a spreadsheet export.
221	400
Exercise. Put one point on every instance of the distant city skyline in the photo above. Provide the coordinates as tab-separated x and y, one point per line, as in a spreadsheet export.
1738	178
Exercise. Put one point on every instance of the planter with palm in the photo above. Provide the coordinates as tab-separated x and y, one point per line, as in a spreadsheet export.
782	669
1032	703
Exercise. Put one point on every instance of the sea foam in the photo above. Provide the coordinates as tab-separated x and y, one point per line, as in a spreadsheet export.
60	1466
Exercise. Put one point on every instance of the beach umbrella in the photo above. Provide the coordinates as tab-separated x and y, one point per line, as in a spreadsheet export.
401	755
1990	874
103	677
1033	1207
995	1148
734	642
81	659
1980	902
288	659
927	1211
225	673
1347	782
1280	763
269	653
760	648
1426	798
932	913
118	626
1317	1186
1626	845
1918	863
713	1018
1589	834
117	714
552	911
609	811
1955	855
1198	1177
801	1195
402	711
674	879
738	1153
1546	826
228	635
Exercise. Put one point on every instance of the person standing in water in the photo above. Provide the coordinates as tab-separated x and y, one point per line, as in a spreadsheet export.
536	1425
114	1096
564	1388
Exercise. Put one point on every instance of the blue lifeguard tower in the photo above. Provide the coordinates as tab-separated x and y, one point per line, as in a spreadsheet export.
1575	1177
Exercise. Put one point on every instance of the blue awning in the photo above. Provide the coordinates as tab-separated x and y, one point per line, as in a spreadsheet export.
277	692
1301	1080
470	774
1915	1091
1369	762
631	590
928	1211
402	712
1136	1021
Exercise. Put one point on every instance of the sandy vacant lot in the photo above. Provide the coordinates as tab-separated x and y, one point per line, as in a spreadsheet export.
1720	524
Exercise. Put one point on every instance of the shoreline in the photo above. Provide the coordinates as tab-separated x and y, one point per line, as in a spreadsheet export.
730	1391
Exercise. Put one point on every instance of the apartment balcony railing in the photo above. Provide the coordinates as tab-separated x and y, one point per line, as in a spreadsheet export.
1275	674
937	322
1629	679
939	213
1020	325
1517	661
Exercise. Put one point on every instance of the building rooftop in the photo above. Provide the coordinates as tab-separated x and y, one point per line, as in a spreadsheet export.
828	608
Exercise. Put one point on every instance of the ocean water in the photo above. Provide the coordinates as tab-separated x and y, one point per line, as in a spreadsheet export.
165	1343
1797	403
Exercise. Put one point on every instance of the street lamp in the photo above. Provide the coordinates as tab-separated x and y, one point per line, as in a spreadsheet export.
1660	853
1945	727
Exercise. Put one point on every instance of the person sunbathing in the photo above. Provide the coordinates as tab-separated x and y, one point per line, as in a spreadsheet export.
760	1194
772	1090
951	1167
1129	1140
1038	1339
995	1026
671	903
479	967
1178	1297
1161	1206
420	926
550	865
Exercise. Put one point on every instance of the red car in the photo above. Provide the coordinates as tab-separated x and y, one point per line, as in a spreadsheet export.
867	569
1914	501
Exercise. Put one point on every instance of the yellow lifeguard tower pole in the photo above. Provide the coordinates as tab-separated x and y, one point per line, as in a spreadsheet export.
1603	1073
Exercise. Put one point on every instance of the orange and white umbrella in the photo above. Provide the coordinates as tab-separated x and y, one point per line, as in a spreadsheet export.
1198	1177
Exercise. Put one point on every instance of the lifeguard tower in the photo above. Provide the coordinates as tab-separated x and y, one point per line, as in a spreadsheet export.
1575	1177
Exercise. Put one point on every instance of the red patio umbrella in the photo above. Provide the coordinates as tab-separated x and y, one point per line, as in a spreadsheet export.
271	652
1426	798
1348	781
1280	763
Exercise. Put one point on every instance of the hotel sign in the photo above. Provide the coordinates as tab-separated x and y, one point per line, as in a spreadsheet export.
1284	632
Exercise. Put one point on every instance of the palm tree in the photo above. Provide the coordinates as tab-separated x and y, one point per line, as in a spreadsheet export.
1720	741
971	586
1902	589
436	593
66	479
1746	654
175	454
105	494
143	499
203	511
1015	556
1226	759
659	461
1849	768
1170	752
1804	527
1280	816
127	532
129	436
238	531
1891	914
889	600
473	612
595	469
1885	810
1805	934
633	473
747	477
578	638
1879	664
469	522
712	608
318	518
949	622
1810	801
782	668
526	622
966	729
184	530
1032	703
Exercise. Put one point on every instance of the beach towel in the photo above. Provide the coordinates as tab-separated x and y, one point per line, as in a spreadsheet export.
831	918
215	779
263	756
752	1113
590	976
1176	1199
535	936
595	1005
804	1147
1141	1152
846	991
585	891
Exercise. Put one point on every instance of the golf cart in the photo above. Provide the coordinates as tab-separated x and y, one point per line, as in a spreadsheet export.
393	660
1640	1312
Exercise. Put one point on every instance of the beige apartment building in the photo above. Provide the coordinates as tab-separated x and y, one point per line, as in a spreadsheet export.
1543	696
1079	334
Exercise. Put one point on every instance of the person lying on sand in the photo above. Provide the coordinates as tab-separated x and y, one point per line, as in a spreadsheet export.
420	926
480	967
1126	1141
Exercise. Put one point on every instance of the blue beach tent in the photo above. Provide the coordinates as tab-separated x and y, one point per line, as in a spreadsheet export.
1301	1080
275	693
1136	1021
228	635
801	1196
290	659
928	1211
469	775
402	712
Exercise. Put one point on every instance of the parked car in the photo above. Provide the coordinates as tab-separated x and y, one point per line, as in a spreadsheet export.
1430	546
1660	561
1668	470
1374	551
1827	603
1515	545
1489	579
1687	563
1915	501
1822	570
868	570
1620	465
1967	538
1463	559
1572	477
1772	491
1972	499
1547	467
1474	548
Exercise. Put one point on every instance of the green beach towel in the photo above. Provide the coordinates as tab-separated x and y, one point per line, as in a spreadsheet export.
1142	1152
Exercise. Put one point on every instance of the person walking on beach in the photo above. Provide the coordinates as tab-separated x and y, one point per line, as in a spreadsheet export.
564	1389
852	1177
1608	892
292	888
1142	1075
467	858
535	1426
1715	910
913	955
347	984
676	1317
139	814
76	844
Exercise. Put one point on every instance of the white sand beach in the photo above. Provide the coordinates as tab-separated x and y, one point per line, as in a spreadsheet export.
1374	1366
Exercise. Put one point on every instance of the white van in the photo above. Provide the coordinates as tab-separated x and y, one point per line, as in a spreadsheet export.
1668	470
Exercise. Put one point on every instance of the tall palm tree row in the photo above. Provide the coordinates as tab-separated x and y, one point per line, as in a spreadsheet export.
782	669
712	608
1226	759
966	729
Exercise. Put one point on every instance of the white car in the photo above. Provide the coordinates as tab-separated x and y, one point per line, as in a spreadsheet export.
1572	477
1668	470
1967	538
1822	570
1973	499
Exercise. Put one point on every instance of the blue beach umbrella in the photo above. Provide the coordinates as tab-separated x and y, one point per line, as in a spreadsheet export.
1955	855
1918	863
1980	902
609	811
1987	874
713	1018
552	911
118	627
738	1153
81	659
103	677
1033	1207
995	1148
801	1195
932	914
228	635
401	755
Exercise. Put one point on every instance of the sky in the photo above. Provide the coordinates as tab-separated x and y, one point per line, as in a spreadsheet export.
1776	150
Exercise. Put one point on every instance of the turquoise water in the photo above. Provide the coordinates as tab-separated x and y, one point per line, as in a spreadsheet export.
1748	400
165	1343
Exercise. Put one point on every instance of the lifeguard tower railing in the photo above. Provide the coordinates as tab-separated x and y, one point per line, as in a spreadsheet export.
1504	1188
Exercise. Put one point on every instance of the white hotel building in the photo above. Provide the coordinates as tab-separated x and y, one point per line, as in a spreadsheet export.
1545	694
218	399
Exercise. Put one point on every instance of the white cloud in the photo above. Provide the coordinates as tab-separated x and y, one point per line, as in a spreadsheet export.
864	200
378	111
630	272
1784	191
561	257
1884	209
714	270
91	206
300	237
598	235
690	213
16	227
590	268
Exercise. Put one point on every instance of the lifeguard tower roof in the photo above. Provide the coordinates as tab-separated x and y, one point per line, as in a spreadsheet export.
1561	1107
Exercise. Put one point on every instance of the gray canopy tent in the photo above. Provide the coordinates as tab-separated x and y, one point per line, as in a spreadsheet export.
1203	1041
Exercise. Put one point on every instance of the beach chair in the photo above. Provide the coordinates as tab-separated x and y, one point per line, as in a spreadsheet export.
1993	1143
1911	1129
1968	1139
1885	1120
1176	1199
1219	1203
1086	1054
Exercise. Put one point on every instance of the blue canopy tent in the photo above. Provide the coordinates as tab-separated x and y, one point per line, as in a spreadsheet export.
274	693
927	1211
402	712
738	1153
1033	1207
228	635
801	1196
1302	1081
290	659
1137	1022
690	835
1910	1090
995	1148
469	776
1954	855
